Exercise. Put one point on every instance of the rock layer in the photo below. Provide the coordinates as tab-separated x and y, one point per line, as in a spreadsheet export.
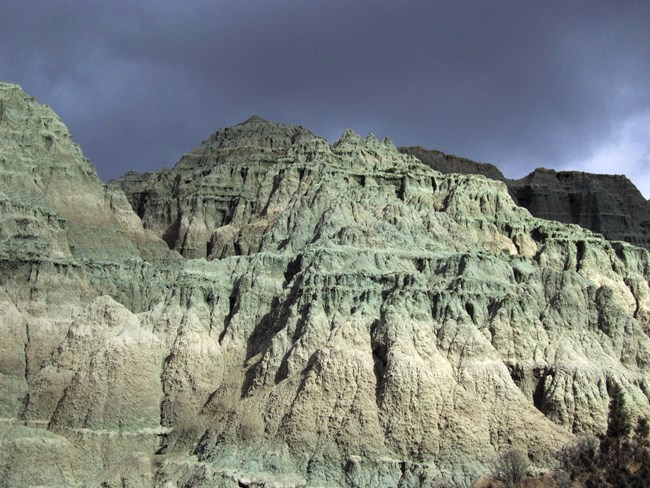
608	204
328	315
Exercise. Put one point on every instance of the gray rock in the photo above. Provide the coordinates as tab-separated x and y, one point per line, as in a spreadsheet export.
608	204
449	163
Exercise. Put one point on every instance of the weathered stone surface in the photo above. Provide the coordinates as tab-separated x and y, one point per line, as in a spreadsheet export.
53	204
607	204
342	315
449	163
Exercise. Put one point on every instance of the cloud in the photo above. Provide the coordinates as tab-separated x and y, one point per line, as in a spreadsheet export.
519	84
626	152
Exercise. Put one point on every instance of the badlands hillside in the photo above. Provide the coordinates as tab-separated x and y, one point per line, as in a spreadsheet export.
277	310
607	204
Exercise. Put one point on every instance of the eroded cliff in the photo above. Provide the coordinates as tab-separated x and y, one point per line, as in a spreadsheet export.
608	204
325	315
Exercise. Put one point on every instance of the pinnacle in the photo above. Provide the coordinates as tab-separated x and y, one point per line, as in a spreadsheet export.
255	119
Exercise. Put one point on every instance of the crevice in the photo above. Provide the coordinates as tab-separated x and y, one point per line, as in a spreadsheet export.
277	179
619	250
232	310
469	308
531	383
25	352
170	236
25	401
142	204
538	235
581	247
359	180
49	141
311	362
518	275
209	246
379	352
283	370
293	268
402	468
165	402
402	189
56	412
539	393
232	208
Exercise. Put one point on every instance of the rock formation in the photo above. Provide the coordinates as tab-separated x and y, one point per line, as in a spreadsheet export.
279	311
608	204
449	163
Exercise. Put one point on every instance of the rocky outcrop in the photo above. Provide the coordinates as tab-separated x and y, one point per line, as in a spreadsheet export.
449	163
327	315
53	204
608	204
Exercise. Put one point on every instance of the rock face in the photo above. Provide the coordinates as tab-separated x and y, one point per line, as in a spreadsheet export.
281	311
448	163
608	204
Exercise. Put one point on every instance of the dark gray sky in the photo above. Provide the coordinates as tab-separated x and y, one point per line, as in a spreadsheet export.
522	84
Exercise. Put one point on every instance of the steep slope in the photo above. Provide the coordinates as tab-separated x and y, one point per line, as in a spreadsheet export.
53	202
343	316
448	163
65	239
607	204
466	316
186	205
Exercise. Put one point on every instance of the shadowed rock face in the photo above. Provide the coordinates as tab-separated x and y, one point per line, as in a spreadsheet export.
448	163
328	315
608	204
238	174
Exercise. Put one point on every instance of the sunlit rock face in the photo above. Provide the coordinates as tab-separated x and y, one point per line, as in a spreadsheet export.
276	310
607	204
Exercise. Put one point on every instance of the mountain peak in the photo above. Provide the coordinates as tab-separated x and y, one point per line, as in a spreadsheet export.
255	119
329	314
256	131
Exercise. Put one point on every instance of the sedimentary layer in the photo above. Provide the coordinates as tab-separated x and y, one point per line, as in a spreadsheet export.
607	204
278	310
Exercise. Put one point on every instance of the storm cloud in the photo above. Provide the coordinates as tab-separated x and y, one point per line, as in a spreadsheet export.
558	84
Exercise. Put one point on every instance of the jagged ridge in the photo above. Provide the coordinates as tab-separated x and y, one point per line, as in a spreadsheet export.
607	204
360	320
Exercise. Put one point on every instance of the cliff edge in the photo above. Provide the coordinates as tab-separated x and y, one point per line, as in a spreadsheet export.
608	204
276	310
